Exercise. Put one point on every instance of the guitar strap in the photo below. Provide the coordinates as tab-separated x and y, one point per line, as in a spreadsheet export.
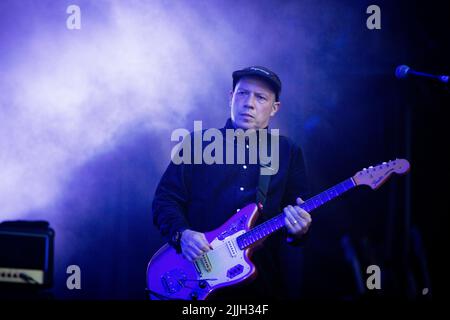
263	187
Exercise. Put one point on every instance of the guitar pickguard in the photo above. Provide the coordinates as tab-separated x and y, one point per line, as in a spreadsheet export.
225	263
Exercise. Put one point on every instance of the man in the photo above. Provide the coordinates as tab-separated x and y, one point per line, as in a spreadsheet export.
195	198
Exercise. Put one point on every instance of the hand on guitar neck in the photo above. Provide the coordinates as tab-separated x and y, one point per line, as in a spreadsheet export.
297	220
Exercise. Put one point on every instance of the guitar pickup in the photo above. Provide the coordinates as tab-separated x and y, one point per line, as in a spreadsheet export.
203	263
231	248
234	271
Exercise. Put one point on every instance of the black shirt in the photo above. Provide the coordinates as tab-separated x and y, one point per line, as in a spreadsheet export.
201	197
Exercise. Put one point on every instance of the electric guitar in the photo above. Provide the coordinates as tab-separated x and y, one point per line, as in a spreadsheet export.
170	276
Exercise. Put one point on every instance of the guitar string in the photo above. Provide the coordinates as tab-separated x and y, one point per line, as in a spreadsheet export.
225	241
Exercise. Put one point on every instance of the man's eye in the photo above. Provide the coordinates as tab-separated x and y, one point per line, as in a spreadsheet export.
262	98
242	92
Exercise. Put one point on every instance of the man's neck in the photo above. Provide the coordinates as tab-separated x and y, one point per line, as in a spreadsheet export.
234	126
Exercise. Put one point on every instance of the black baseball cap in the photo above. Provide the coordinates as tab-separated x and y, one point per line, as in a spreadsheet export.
261	72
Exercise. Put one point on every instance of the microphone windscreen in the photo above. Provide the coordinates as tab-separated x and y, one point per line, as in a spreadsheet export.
401	71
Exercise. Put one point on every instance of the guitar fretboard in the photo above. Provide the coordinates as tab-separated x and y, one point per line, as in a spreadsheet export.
276	223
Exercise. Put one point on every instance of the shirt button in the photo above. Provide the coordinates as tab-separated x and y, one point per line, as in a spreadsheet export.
241	188
244	166
247	146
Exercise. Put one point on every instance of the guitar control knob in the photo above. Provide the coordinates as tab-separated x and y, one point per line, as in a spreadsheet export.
202	284
194	295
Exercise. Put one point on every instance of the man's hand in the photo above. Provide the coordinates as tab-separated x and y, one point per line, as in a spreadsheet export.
193	244
296	219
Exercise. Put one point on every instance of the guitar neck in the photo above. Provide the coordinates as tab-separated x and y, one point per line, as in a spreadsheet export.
276	223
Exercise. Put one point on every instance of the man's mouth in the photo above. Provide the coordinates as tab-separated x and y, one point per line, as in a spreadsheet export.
247	115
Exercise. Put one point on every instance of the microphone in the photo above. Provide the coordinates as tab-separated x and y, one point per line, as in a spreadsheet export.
402	72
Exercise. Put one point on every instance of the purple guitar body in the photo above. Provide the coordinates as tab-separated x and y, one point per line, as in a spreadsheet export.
174	277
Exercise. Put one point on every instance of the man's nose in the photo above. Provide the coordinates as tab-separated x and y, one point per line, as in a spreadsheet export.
250	101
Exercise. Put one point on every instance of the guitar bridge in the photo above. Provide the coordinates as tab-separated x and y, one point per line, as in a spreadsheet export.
173	280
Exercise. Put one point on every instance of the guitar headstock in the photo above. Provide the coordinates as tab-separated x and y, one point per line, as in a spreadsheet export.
375	176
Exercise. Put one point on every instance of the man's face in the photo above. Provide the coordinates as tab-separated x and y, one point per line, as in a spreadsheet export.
252	104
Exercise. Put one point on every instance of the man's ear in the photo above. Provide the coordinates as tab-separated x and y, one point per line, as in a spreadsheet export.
231	97
275	107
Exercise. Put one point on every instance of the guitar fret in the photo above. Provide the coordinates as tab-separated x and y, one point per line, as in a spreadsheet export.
280	222
340	188
334	192
306	206
349	183
331	193
317	202
344	185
